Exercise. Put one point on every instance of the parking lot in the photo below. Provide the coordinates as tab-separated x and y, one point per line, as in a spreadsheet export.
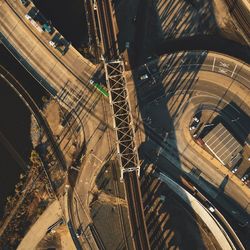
202	123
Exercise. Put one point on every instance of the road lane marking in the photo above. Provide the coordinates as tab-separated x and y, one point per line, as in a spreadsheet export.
213	64
223	71
234	70
225	65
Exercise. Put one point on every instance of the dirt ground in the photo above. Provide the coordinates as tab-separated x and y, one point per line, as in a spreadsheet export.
53	114
59	240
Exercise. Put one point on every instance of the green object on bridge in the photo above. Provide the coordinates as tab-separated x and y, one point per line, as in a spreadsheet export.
101	89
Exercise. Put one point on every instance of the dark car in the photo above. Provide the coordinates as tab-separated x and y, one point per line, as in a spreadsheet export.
246	178
194	124
25	2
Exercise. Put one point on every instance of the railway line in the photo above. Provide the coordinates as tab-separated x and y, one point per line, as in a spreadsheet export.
120	213
137	219
37	113
241	16
107	30
123	125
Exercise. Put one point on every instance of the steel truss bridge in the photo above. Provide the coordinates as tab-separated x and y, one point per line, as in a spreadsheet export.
122	119
123	123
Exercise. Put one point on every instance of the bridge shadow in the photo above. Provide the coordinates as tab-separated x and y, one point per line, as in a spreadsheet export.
164	91
162	100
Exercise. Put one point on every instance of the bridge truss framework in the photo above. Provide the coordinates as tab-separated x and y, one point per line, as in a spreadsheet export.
122	118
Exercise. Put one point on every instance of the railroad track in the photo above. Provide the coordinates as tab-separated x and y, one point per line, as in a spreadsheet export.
107	29
122	121
120	213
240	16
137	222
97	237
30	103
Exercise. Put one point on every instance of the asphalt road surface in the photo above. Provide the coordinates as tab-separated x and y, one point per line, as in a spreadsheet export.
169	99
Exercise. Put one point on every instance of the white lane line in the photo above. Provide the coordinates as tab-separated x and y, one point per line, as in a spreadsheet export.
234	70
213	64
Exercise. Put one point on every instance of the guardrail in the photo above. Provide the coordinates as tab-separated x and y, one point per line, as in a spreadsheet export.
45	84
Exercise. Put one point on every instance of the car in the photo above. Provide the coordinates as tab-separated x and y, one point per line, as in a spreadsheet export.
127	44
209	206
196	119
52	43
243	224
235	169
25	2
91	81
245	177
194	124
200	142
144	77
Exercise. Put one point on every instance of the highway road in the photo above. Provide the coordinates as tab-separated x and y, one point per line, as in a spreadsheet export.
64	77
67	75
187	80
197	76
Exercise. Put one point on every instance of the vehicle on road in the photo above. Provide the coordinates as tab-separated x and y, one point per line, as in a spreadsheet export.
196	119
209	206
235	169
246	178
194	124
200	142
55	225
144	77
60	43
25	3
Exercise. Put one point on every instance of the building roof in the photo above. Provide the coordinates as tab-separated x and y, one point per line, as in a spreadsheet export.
222	144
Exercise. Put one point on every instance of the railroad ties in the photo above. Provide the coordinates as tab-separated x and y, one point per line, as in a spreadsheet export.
127	153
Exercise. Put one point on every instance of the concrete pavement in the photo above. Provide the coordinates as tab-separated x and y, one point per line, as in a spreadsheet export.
39	229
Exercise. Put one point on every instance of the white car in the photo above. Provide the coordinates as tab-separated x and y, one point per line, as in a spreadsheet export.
209	206
211	209
53	44
144	77
245	177
235	169
196	119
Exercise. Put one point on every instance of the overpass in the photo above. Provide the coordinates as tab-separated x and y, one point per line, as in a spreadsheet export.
65	77
123	123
